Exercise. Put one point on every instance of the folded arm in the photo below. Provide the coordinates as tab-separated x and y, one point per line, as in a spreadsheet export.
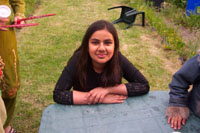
137	84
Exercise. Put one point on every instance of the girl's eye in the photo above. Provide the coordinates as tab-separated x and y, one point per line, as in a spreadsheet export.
95	42
107	42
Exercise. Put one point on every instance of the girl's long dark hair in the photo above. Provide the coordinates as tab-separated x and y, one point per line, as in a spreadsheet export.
111	74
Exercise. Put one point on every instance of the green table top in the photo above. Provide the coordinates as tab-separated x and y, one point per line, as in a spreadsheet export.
142	114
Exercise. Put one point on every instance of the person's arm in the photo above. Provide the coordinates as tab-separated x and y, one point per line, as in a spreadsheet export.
80	98
18	7
137	83
178	111
62	93
98	94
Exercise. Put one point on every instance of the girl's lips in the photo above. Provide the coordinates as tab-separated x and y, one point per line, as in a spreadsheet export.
101	55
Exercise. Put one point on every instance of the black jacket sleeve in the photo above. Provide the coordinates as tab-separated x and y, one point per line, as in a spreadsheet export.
62	93
137	83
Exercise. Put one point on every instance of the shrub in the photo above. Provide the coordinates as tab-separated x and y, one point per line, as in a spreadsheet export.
179	3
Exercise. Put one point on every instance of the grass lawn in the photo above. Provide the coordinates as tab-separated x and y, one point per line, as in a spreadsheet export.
45	49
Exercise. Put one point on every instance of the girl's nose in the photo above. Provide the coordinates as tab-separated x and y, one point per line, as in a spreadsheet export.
101	46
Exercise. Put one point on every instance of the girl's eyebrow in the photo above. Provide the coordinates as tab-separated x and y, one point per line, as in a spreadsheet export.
94	39
108	40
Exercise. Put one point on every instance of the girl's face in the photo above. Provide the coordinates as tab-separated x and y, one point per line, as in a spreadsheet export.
101	47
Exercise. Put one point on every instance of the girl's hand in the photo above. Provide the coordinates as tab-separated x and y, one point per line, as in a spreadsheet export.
96	95
15	21
113	98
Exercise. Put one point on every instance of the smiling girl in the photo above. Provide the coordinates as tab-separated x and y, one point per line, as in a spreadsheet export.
96	69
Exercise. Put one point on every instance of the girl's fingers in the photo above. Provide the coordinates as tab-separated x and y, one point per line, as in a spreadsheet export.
96	99
90	99
120	101
89	95
101	99
123	97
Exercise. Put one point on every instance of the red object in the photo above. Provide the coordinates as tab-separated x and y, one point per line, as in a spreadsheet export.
20	25
34	17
